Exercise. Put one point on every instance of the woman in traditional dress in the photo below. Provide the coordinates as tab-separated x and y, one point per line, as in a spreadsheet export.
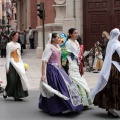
57	93
106	93
73	48
17	83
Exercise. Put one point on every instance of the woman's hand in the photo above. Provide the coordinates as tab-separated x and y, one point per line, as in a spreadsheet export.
7	70
43	78
68	72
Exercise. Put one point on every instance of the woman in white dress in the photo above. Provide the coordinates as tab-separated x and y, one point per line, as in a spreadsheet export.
73	48
17	83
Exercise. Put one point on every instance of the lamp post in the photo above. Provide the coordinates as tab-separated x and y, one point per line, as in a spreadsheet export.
8	24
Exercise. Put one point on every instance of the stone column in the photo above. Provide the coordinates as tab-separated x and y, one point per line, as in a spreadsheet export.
28	14
4	17
39	49
0	15
49	28
79	16
24	14
60	8
18	15
69	21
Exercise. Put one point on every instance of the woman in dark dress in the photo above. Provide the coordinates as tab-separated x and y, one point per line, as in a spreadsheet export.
106	93
17	83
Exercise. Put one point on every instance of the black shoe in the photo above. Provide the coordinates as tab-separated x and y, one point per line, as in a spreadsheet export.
113	114
4	96
1	89
18	99
95	71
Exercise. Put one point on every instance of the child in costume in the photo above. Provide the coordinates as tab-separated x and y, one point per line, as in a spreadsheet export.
64	52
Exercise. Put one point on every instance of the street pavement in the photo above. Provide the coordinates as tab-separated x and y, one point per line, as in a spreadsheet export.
28	108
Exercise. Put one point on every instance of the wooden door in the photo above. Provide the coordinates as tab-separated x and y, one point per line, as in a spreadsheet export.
99	16
116	13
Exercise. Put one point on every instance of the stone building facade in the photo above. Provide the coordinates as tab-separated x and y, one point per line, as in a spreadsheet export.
60	15
6	15
68	13
90	17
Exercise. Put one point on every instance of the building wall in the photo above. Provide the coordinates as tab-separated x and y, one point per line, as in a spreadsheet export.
27	16
49	11
33	12
74	16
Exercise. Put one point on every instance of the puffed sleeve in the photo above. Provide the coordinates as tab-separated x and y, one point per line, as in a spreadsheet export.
47	53
7	56
118	51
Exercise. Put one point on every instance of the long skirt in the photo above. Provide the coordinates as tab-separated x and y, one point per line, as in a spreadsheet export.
53	105
80	83
109	97
14	87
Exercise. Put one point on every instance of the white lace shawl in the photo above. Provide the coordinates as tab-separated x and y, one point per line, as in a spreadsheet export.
9	48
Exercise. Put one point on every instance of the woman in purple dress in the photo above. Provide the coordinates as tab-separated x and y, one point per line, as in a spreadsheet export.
57	93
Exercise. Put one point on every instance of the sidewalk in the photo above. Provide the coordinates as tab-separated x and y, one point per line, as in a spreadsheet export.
34	71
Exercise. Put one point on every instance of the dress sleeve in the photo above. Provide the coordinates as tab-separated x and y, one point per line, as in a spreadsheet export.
7	56
118	51
47	53
19	50
68	46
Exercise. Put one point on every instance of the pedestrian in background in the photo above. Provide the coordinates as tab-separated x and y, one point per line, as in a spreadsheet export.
19	41
103	44
31	38
24	34
17	83
3	43
22	39
106	93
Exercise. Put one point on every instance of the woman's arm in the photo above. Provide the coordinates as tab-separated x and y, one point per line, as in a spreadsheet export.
7	58
43	71
45	57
